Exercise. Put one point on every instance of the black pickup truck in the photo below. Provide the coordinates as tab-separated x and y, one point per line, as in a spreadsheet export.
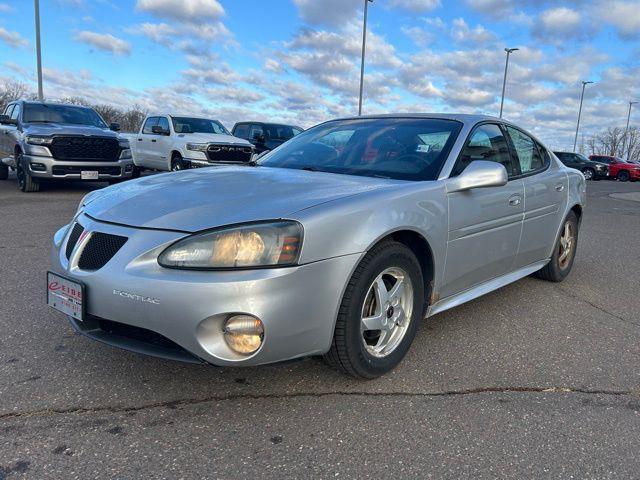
265	136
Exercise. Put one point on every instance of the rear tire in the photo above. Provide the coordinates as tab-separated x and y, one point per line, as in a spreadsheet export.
370	294
623	176
4	172
560	265
25	181
136	172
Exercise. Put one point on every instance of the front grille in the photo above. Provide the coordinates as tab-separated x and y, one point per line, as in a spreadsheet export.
78	148
100	248
229	153
73	239
73	170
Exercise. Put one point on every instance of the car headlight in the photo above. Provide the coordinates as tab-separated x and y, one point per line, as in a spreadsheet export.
197	147
37	140
125	154
256	245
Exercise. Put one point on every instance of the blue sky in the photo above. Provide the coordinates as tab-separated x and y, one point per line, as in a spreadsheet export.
298	60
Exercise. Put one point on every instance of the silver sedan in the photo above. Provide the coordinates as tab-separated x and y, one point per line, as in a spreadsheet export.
337	243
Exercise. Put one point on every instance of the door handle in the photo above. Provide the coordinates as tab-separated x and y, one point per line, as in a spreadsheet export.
559	187
154	140
515	200
139	139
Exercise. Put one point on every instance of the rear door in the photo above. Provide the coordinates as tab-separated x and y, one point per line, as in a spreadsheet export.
143	143
484	223
545	197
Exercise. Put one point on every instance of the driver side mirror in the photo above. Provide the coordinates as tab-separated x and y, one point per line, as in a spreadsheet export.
479	174
114	126
6	120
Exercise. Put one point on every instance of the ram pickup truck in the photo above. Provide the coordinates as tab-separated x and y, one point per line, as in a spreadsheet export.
52	141
167	142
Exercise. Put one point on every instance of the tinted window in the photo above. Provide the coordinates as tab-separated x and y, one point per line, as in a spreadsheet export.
597	158
296	131
486	142
68	114
16	111
397	148
149	124
241	131
527	153
164	123
279	132
7	111
197	125
255	131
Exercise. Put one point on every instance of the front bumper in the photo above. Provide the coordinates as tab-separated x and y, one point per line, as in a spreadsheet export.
297	305
50	168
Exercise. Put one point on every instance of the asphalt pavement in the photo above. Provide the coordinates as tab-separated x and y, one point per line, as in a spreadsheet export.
536	380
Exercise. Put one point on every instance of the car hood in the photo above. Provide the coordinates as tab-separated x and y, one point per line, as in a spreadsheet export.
213	138
200	199
66	129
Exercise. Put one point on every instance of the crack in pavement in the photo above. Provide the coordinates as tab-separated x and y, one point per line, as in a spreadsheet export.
268	396
597	307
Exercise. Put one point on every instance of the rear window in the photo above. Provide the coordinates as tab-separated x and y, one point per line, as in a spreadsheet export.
395	148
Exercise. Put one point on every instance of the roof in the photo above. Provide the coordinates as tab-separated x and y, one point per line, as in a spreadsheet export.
460	117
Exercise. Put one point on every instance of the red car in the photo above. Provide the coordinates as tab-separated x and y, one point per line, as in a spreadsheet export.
618	168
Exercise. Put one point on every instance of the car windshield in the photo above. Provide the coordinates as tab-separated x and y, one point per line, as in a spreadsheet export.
396	148
198	125
69	114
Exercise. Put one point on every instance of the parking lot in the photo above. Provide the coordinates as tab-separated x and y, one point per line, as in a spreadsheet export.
536	379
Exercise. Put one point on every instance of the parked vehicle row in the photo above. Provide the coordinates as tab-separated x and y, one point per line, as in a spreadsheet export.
50	141
333	244
598	167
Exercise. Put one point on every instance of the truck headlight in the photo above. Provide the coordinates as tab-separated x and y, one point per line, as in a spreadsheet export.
125	154
197	147
257	245
38	140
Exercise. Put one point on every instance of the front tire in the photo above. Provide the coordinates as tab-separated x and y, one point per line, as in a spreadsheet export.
177	164
564	252
379	314
25	181
589	173
623	176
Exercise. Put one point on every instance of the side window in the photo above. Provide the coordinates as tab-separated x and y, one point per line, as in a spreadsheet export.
296	131
486	142
7	111
241	131
529	157
149	124
16	111
256	130
164	123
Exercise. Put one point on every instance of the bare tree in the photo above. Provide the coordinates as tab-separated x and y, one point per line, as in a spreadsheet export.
11	91
612	142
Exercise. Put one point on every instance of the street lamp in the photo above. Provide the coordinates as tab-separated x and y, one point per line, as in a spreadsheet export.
38	52
626	131
364	45
504	82
575	142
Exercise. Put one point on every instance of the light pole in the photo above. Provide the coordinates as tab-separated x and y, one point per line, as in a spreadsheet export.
364	46
504	82
38	52
626	131
575	142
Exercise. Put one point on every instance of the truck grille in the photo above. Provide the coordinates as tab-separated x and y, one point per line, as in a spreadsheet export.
229	153
100	248
92	149
73	239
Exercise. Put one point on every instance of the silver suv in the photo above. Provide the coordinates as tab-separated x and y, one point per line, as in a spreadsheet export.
60	142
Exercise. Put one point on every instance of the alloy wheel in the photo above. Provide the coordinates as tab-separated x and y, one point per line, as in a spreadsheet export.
588	174
386	312
566	245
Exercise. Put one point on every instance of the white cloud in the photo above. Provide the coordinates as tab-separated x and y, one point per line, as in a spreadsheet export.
105	42
13	39
624	16
416	5
461	32
191	11
5	8
328	12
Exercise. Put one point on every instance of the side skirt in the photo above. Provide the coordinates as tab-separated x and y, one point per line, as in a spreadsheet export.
484	288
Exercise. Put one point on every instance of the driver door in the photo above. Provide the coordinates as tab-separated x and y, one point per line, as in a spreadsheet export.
484	223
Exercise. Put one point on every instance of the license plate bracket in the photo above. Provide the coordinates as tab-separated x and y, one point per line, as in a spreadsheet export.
89	175
66	295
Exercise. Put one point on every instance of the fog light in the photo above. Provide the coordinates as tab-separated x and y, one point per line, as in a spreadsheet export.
38	167
128	168
243	334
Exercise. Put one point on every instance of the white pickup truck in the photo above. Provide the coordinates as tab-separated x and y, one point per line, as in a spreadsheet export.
167	142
